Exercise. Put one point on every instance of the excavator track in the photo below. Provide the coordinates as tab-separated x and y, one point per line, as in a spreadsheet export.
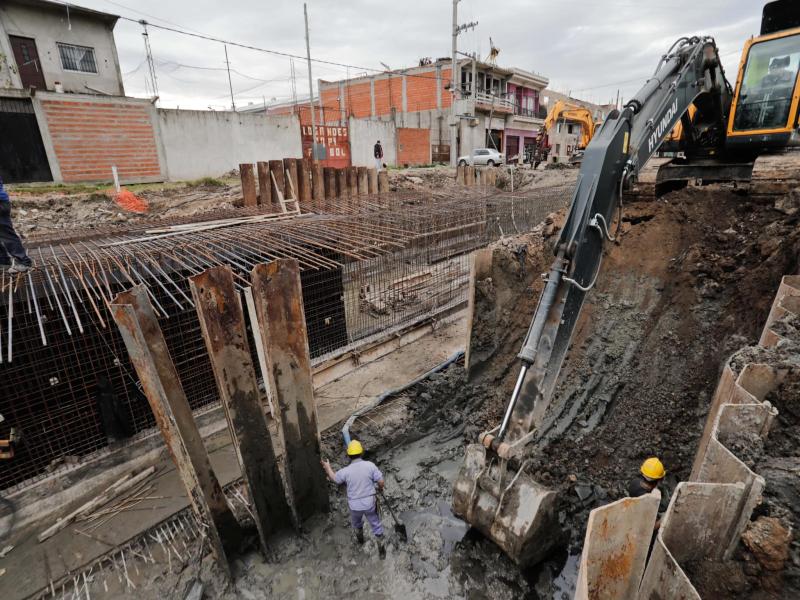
645	186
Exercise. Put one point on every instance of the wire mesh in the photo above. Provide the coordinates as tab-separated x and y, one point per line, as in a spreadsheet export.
369	265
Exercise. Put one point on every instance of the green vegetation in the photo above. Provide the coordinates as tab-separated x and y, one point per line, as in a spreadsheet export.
206	182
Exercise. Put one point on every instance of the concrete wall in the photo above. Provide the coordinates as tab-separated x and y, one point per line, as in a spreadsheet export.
47	26
209	143
363	135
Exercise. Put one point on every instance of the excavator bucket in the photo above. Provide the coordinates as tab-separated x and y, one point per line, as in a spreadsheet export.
506	505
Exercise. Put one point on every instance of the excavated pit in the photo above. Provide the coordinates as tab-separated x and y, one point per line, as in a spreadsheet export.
691	281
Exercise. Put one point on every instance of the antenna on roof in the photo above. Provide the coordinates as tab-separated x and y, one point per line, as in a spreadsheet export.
493	52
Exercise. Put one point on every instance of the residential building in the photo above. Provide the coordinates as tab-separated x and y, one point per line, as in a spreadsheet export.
495	106
57	47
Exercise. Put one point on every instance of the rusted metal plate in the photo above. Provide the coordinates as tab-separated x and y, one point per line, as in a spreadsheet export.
279	305
264	184
248	184
222	323
150	357
330	183
278	183
317	184
342	191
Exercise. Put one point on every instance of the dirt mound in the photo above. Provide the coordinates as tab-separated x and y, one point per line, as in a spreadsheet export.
691	280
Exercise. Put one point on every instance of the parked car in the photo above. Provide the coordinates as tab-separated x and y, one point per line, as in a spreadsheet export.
482	156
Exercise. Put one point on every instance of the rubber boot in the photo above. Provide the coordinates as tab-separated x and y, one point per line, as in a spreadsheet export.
381	547
360	536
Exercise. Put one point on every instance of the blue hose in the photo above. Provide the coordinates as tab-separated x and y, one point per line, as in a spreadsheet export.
379	400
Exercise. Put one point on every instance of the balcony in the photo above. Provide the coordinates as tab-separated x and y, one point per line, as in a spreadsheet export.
526	114
493	103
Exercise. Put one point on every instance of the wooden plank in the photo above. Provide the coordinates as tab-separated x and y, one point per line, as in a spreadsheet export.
248	184
279	304
222	323
264	183
150	357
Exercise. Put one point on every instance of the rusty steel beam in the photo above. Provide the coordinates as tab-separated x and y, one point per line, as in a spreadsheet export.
279	305
223	326
149	355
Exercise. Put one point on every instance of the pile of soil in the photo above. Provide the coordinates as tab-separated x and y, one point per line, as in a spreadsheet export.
766	563
691	280
36	214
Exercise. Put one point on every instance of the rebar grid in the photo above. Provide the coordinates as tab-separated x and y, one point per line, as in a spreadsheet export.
370	265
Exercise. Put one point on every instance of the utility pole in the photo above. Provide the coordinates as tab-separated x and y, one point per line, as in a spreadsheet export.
454	81
151	65
230	83
310	91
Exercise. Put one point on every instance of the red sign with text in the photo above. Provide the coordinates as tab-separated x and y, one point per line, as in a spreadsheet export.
336	141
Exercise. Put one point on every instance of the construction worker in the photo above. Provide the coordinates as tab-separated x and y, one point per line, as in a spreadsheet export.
361	477
12	252
650	475
378	152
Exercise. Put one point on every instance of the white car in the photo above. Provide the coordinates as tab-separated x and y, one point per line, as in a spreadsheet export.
483	156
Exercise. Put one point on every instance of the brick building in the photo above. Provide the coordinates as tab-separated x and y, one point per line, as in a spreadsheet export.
495	107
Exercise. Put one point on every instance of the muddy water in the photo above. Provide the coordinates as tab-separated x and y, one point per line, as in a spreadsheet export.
442	559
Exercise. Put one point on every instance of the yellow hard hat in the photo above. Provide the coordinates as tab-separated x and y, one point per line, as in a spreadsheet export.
354	448
653	469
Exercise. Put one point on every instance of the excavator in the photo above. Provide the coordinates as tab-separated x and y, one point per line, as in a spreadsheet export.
571	114
725	136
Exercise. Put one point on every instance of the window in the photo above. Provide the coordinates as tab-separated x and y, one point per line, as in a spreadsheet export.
768	84
558	148
77	58
558	128
569	128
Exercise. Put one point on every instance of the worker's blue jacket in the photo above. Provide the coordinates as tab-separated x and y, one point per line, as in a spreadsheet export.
3	194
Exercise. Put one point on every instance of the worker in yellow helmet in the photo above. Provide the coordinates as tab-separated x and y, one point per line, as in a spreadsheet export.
650	475
361	478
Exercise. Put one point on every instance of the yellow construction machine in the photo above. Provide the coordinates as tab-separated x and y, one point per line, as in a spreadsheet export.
576	115
750	139
744	134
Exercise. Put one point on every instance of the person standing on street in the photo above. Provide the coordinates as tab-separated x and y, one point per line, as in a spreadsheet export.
361	478
12	252
378	151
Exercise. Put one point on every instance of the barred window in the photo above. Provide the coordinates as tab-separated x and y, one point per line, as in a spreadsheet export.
77	58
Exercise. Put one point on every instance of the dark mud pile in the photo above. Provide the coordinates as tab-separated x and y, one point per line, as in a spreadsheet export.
766	563
691	281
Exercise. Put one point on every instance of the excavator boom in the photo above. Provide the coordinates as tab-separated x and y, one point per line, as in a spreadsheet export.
488	492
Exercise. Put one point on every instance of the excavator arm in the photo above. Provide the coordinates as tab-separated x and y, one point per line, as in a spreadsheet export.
626	140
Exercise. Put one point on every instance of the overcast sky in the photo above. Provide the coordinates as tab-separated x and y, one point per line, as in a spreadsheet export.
589	47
